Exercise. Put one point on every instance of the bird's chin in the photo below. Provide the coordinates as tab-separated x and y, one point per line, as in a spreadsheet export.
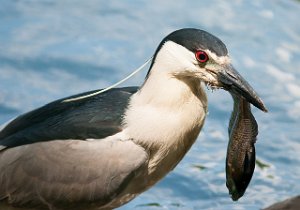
211	81
212	85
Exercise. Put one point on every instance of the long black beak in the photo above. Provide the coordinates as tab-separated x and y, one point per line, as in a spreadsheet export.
233	82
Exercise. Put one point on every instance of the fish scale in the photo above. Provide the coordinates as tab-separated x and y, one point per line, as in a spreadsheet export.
240	160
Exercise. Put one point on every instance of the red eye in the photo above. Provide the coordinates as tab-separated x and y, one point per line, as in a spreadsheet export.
201	56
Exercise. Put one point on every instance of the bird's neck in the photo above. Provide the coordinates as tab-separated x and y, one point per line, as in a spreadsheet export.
166	115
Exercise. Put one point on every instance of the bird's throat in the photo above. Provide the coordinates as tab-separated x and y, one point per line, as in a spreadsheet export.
165	117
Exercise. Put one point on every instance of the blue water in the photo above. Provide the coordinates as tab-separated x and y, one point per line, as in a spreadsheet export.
51	49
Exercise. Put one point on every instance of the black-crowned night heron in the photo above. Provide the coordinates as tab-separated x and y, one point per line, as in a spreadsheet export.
101	151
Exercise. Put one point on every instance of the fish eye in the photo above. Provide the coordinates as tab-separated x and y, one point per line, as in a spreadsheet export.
201	56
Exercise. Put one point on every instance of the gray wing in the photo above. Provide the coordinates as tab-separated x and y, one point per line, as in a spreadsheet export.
69	173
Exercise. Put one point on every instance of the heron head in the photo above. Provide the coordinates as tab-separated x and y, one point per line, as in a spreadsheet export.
197	54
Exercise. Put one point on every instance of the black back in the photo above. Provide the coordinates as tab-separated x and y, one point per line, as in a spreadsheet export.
97	117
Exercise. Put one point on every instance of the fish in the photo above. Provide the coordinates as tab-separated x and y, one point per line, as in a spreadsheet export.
240	158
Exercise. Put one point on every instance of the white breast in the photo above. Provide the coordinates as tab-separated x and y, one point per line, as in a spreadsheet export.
166	120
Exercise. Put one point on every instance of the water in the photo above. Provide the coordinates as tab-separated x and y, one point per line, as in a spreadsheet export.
51	49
